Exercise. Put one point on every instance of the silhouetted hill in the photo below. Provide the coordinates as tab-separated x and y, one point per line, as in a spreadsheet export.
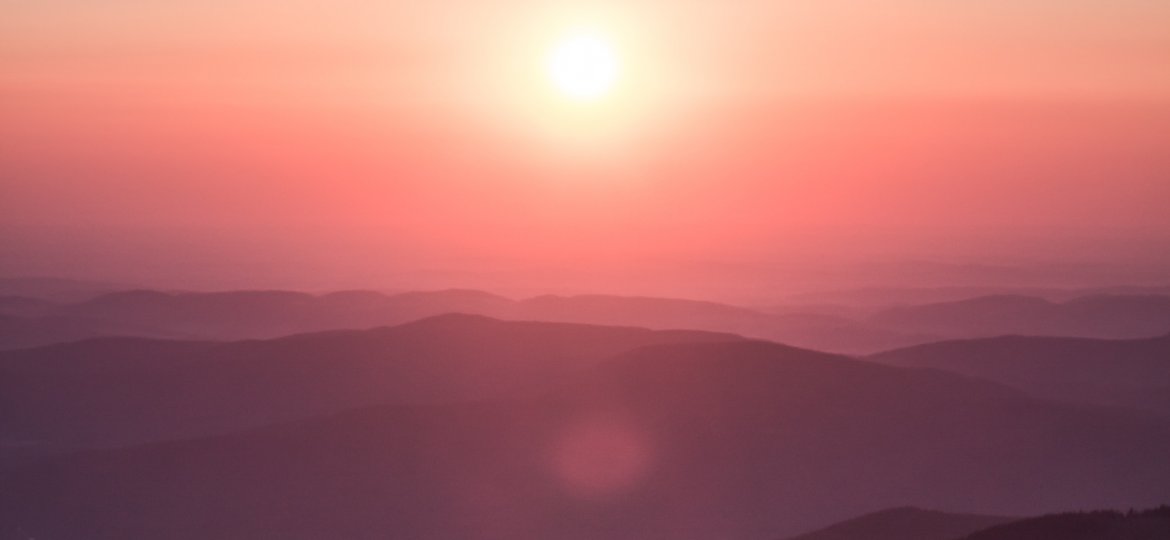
226	315
1110	317
25	306
894	296
268	314
815	331
745	440
1119	373
907	523
1103	525
56	289
119	391
231	315
639	310
23	332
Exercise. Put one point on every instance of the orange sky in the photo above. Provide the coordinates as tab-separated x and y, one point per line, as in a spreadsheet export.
360	141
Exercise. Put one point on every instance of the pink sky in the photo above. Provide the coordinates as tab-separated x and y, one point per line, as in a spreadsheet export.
353	142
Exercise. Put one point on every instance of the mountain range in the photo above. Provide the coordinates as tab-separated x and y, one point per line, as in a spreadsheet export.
118	391
269	314
705	436
1104	316
30	322
1120	373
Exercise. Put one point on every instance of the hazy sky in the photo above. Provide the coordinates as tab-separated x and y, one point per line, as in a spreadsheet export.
419	143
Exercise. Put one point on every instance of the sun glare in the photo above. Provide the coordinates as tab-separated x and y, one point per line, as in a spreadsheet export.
583	66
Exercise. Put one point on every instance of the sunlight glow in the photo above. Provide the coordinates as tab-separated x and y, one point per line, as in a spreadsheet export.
584	66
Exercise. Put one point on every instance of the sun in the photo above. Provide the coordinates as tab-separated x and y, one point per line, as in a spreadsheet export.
584	66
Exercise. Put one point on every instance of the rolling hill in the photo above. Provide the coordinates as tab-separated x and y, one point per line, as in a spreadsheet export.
56	289
906	523
1101	525
1120	373
269	314
25	306
740	440
1103	316
17	332
125	390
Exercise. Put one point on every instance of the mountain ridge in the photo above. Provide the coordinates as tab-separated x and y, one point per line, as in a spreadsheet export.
1132	373
743	439
906	523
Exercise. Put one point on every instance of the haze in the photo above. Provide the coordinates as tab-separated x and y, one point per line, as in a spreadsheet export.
401	145
621	270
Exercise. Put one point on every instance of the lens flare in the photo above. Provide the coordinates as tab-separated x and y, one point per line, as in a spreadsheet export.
599	458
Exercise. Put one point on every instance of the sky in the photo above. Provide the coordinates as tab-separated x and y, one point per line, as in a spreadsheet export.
365	143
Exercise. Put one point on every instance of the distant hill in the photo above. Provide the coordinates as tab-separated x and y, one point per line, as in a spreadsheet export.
25	306
809	330
744	440
893	296
1119	373
1109	317
56	289
124	390
906	523
22	332
270	314
1145	525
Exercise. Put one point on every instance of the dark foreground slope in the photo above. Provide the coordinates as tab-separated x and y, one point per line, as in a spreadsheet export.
126	390
906	523
1119	373
1146	525
742	440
